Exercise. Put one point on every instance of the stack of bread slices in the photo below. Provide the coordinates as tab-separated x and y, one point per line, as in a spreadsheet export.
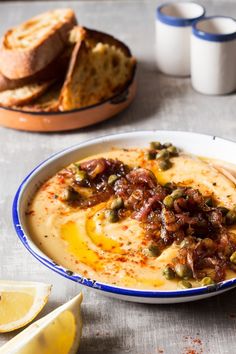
49	63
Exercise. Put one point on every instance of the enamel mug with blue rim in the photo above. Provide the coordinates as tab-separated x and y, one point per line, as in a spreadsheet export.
213	55
173	33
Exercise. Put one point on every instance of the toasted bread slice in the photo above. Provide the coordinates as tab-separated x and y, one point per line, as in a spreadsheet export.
48	102
100	67
30	47
55	70
23	95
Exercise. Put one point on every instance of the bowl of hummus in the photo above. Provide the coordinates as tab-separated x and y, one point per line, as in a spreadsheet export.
141	216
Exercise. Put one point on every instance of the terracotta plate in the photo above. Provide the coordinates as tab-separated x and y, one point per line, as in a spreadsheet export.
59	121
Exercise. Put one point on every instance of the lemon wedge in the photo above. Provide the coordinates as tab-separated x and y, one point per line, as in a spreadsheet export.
20	302
58	332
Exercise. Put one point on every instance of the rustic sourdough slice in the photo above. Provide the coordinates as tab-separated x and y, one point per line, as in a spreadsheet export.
48	102
30	47
54	70
23	95
100	67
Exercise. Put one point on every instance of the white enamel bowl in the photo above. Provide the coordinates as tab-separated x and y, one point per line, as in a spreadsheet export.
203	145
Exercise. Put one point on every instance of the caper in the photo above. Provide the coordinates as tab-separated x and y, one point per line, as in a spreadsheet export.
209	202
69	194
156	145
151	154
112	179
184	284
168	273
168	201
183	271
112	215
231	217
165	165
166	145
80	176
154	250
177	193
117	203
172	151
223	210
163	154
233	258
207	281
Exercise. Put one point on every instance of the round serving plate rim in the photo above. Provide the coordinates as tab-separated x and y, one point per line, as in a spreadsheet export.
121	291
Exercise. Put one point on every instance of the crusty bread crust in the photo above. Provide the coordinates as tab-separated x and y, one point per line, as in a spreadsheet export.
87	40
23	95
66	97
93	37
54	70
19	59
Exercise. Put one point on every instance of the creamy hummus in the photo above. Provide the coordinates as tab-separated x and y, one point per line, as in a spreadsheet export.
85	242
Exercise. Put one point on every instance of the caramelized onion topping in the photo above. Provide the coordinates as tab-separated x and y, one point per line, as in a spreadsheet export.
168	214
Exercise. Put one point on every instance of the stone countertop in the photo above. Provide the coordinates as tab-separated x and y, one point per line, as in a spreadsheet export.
113	326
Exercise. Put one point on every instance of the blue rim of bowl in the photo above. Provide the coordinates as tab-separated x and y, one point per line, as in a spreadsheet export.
213	37
225	285
178	21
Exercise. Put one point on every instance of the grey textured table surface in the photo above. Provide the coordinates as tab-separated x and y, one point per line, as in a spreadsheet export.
112	326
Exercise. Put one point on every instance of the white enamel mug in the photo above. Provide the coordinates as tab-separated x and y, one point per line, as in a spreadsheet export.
213	55
173	32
